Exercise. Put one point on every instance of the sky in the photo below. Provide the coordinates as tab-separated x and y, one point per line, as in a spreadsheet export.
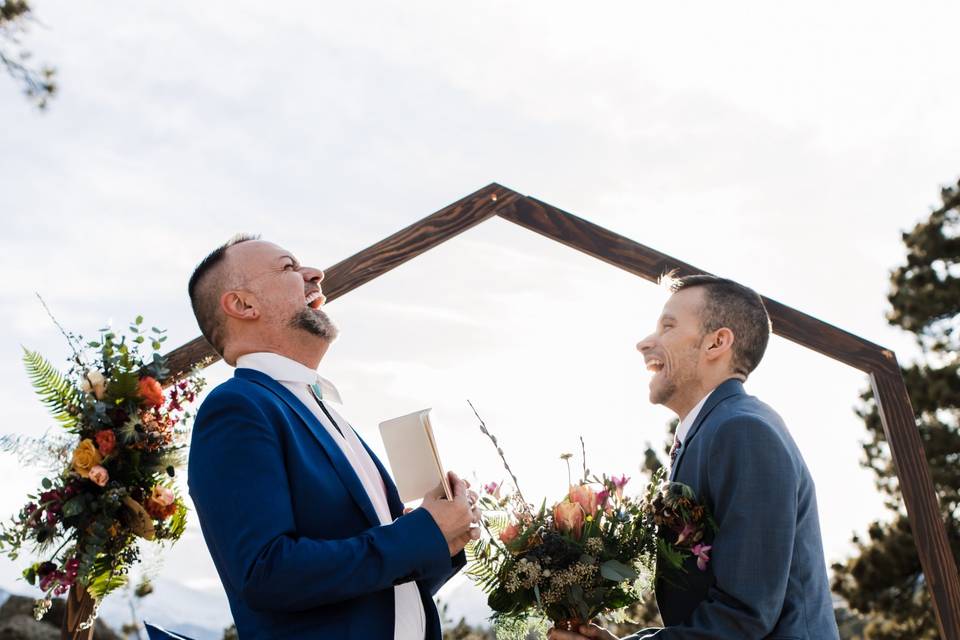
784	145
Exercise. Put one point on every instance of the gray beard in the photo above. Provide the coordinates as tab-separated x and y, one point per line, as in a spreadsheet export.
315	322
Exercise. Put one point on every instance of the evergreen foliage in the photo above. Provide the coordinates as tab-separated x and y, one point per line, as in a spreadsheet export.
883	580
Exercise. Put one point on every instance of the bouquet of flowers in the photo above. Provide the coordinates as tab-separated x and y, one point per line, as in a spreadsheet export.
112	472
595	552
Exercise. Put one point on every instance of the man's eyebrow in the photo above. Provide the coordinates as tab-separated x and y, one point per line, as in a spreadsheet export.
666	317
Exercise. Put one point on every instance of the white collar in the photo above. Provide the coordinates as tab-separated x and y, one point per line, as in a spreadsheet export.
284	369
684	428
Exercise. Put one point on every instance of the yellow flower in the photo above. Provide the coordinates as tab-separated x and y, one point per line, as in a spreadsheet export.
85	457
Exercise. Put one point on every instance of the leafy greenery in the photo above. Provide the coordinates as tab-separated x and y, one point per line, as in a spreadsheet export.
884	580
38	82
56	391
112	484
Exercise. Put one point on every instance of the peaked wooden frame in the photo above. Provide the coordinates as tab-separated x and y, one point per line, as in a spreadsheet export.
919	496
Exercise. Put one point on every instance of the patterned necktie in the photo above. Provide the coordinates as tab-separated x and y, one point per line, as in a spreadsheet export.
674	450
318	394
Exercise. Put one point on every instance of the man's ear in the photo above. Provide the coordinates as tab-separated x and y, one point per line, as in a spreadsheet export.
719	343
240	304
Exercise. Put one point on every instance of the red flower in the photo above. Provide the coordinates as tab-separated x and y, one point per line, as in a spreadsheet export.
106	441
151	391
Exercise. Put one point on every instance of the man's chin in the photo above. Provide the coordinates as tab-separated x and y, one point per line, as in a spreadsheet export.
316	323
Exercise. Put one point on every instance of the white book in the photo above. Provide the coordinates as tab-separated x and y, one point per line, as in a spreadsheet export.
413	455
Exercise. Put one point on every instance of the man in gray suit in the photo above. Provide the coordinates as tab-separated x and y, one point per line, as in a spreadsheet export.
766	576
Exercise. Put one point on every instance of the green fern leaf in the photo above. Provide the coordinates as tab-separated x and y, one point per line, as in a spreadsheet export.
56	391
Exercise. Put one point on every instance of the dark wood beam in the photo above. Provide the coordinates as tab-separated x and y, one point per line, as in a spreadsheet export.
919	496
651	265
377	259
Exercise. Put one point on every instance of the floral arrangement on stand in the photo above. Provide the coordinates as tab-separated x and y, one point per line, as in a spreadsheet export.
593	553
112	472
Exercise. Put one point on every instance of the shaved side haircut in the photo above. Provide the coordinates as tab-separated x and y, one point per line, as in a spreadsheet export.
209	281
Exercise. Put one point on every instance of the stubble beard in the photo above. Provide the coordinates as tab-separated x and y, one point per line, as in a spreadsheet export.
682	376
316	322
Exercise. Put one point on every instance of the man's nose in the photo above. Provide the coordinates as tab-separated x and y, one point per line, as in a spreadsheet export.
312	275
645	345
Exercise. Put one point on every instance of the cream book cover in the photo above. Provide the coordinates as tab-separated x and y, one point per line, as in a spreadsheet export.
413	455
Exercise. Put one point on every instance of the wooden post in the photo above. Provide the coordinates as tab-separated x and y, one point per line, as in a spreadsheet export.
919	496
80	606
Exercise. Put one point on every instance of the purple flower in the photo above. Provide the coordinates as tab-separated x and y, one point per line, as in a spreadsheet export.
72	567
619	484
700	551
602	496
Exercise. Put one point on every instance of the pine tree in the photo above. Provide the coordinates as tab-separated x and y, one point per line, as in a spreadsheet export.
37	82
883	580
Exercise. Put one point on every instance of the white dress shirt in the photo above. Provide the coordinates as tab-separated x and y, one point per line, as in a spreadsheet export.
410	619
684	427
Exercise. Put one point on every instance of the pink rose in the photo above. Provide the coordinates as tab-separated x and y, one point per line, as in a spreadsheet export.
568	517
98	475
585	497
510	533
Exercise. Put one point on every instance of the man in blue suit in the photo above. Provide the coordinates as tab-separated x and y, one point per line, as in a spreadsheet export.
765	574
304	525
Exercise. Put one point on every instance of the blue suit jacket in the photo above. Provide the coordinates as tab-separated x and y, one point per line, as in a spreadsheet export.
295	539
767	576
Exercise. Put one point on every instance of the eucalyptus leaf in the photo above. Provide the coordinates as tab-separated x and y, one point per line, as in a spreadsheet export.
74	506
617	571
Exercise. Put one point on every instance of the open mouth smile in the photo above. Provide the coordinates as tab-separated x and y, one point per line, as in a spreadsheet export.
315	299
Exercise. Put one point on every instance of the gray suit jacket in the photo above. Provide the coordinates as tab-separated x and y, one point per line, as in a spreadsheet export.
767	577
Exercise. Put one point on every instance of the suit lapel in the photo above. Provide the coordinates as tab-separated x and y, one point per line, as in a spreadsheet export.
338	460
729	388
393	495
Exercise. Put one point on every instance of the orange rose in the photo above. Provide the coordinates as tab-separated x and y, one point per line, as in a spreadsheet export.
150	391
161	504
568	517
85	457
510	533
585	497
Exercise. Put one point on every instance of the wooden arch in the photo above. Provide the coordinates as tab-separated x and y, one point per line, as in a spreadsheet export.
939	568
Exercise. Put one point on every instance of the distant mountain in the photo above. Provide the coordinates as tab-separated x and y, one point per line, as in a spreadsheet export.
463	600
201	615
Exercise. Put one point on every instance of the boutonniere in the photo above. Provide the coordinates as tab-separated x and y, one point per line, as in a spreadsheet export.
684	525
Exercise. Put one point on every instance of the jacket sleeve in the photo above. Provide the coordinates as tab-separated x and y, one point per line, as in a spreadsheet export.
457	563
754	484
238	482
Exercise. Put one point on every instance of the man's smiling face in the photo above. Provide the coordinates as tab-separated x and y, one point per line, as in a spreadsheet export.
289	295
672	351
